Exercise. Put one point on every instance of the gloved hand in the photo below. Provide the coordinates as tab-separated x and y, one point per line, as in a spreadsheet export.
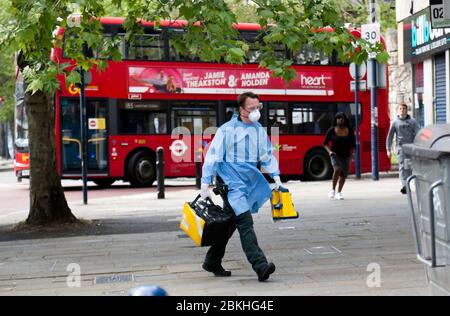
204	192
278	183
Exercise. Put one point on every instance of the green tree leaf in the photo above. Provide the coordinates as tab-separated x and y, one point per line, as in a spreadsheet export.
35	85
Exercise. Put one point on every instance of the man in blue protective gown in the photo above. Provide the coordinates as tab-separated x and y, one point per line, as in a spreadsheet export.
233	156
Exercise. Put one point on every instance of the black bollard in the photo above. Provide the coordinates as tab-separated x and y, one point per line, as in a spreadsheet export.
198	169
160	171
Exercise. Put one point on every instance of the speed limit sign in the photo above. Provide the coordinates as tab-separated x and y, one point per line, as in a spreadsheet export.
371	32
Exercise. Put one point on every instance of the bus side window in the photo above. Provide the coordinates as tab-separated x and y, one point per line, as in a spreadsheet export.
146	47
307	55
252	39
147	118
312	118
278	117
195	116
253	55
176	35
350	111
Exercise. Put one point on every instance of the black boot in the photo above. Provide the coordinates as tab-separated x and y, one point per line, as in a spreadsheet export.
218	271
266	271
403	190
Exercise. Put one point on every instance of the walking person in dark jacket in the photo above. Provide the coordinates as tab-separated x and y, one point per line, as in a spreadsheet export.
343	143
405	128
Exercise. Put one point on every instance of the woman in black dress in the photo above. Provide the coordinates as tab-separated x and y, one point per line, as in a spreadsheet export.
342	139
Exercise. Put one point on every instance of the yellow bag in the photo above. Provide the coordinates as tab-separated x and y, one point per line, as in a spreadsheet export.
204	222
282	205
192	224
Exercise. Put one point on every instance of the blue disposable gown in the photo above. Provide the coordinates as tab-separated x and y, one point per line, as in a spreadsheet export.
233	154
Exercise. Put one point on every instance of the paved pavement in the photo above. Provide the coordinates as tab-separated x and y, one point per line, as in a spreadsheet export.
6	165
362	245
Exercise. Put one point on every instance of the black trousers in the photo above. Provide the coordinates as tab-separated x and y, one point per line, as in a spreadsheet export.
244	225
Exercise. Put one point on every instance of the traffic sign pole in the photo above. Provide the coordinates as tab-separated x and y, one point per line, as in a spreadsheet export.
358	152
374	107
357	73
84	141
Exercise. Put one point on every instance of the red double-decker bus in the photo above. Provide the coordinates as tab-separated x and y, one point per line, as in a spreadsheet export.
21	149
135	104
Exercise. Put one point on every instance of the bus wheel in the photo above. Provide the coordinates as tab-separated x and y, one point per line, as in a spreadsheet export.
317	166
141	170
104	183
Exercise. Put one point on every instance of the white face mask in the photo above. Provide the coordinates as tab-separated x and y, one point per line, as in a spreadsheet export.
254	116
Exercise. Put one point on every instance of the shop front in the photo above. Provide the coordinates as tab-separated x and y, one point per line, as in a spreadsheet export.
427	49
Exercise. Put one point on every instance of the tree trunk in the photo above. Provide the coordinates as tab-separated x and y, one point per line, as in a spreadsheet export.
2	141
12	133
48	204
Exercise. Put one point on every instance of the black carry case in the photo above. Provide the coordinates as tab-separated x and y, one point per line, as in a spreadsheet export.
217	225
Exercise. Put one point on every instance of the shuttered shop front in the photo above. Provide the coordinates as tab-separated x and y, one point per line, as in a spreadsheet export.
440	89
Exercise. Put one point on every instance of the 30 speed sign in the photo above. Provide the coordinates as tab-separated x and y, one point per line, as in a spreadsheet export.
371	32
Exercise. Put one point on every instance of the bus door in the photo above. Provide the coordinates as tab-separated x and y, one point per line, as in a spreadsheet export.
194	120
71	137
